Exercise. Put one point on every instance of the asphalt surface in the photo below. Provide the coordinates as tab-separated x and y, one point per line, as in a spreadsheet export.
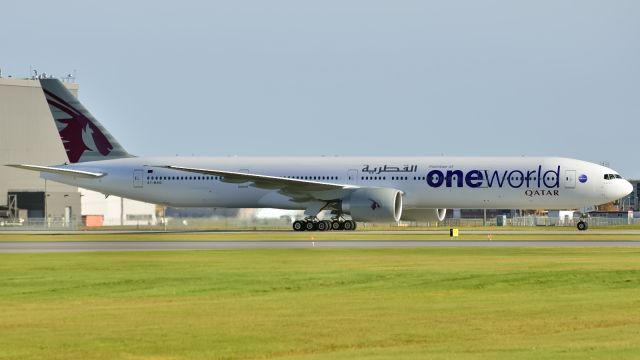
88	246
444	231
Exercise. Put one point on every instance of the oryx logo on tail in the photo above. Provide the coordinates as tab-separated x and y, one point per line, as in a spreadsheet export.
83	138
78	133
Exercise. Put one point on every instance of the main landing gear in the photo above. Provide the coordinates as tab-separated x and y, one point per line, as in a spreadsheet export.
313	224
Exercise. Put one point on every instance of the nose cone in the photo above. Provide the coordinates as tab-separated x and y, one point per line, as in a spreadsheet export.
618	189
626	188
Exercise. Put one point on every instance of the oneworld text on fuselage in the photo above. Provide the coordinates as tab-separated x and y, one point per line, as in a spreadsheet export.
537	178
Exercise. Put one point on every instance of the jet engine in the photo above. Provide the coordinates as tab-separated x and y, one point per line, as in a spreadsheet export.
424	215
373	205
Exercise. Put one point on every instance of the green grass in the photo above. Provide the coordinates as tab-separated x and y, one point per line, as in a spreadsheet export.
441	303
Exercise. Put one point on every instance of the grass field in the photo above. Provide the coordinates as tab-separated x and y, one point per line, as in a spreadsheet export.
441	303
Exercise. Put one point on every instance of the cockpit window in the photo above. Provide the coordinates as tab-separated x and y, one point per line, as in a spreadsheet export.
612	176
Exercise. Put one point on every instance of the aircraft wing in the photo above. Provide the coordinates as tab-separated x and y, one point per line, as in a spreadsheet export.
298	189
59	171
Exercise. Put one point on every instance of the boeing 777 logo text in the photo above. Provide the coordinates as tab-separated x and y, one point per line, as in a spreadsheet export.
539	178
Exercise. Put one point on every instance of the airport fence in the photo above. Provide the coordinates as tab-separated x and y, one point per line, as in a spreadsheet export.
222	224
528	221
36	224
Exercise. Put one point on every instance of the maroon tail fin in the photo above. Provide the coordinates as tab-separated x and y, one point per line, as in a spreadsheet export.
83	137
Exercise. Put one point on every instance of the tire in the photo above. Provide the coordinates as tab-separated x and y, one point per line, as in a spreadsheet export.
299	225
336	225
322	226
327	224
348	225
311	226
582	226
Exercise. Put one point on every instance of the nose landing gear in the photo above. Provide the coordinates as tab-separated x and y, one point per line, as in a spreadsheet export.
582	224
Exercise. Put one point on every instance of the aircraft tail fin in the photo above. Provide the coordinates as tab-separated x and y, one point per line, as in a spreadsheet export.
83	137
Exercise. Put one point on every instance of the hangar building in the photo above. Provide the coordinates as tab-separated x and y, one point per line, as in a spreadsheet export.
28	135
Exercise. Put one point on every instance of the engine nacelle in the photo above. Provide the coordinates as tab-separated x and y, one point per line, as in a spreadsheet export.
424	215
373	205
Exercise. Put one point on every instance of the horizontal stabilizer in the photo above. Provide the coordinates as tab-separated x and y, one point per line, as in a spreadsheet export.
59	171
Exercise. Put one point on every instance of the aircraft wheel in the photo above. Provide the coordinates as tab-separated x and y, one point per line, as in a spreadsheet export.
327	224
311	226
349	225
582	226
322	226
298	225
336	225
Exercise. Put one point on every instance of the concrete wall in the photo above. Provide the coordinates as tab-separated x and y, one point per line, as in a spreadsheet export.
28	136
133	212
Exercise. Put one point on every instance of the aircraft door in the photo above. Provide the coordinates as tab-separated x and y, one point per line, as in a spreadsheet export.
352	177
138	178
569	179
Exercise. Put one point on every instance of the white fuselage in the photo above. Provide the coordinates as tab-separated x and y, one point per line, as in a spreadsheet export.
426	182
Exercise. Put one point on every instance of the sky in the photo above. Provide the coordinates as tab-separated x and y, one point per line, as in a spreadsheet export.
401	78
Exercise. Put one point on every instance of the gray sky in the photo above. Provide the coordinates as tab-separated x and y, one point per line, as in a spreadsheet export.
346	77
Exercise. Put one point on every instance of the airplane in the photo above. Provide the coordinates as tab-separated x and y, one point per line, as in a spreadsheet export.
365	189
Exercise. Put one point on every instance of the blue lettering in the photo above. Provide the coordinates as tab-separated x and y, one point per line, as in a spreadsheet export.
551	176
496	178
515	179
459	177
539	174
529	178
473	179
435	178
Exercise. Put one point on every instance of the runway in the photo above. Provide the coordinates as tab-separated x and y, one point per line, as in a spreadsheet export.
91	246
444	232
